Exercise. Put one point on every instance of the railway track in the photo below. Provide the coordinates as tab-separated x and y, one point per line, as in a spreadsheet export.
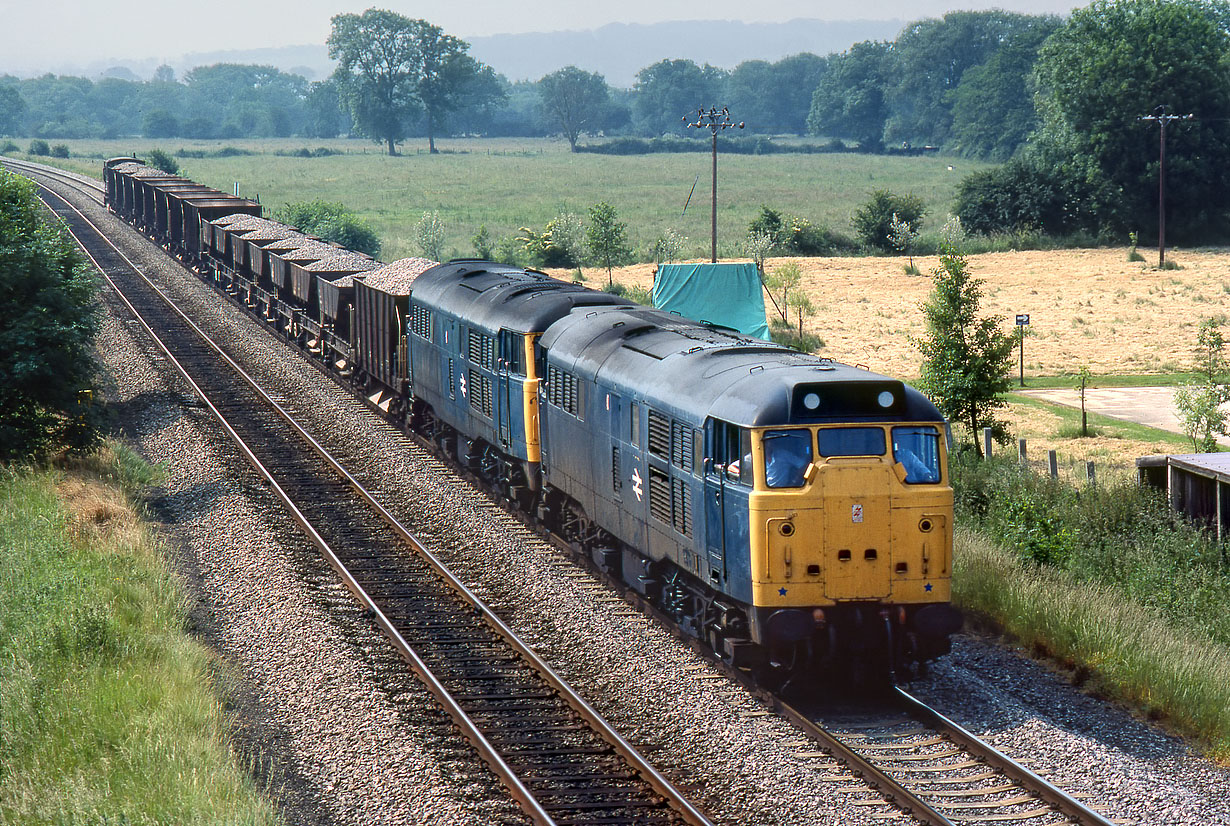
556	757
922	763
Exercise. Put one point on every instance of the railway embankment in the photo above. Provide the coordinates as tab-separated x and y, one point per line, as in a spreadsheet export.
110	710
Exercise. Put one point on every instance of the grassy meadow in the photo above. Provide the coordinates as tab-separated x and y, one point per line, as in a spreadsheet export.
510	183
109	713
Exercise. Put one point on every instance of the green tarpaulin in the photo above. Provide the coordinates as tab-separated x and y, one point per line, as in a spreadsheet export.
725	294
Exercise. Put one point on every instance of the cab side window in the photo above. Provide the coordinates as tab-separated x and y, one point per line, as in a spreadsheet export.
732	453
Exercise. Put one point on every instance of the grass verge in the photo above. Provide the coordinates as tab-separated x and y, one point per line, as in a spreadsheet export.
108	714
1117	647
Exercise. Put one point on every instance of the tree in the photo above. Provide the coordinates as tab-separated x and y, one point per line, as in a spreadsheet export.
967	360
377	72
786	278
326	116
47	300
874	220
993	111
670	90
1086	378
429	236
447	77
1115	60
333	222
160	124
902	237
161	160
929	61
391	68
606	236
803	308
849	101
573	99
12	110
164	74
1200	405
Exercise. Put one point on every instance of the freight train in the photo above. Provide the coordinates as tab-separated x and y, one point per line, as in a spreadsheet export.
792	512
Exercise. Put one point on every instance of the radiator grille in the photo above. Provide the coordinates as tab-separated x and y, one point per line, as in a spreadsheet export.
480	392
659	435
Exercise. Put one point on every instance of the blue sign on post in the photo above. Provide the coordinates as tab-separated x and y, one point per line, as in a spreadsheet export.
1022	320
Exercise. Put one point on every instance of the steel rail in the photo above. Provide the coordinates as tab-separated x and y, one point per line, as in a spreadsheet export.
651	776
993	757
71	178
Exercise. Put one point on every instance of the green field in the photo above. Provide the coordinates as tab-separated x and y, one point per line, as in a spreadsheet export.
507	184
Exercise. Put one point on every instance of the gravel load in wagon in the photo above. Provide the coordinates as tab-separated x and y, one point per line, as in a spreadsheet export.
308	249
397	277
382	302
305	276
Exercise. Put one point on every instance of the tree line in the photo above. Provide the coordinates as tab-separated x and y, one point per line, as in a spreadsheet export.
956	82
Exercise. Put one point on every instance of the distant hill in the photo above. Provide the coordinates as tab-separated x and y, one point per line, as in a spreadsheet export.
618	51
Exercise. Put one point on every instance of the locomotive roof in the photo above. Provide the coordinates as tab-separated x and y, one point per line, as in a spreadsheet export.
498	296
693	371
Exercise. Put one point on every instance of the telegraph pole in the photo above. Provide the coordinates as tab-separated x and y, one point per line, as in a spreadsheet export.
1162	120
715	121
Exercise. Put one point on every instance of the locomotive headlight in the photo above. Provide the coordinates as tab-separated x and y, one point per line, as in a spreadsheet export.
812	401
925	525
885	399
786	529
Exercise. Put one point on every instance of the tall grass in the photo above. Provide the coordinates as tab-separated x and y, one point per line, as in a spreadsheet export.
1122	648
1119	535
506	185
107	713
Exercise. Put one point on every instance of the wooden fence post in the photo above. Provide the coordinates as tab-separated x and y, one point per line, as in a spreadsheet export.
986	442
1090	474
1020	452
1053	461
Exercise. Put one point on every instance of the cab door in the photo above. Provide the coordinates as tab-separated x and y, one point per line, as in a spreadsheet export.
728	487
506	383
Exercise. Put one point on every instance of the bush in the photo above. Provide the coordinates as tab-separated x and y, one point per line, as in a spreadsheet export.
797	236
161	160
783	332
8	148
873	220
60	150
332	222
49	305
39	147
1119	534
1023	197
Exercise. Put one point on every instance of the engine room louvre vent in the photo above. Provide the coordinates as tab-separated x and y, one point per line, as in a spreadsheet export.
482	349
420	322
681	447
682	502
562	390
480	393
659	435
617	481
659	496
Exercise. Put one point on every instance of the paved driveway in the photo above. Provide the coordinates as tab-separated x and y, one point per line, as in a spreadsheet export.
1153	406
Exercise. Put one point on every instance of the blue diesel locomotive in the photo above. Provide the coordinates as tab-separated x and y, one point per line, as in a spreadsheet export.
784	508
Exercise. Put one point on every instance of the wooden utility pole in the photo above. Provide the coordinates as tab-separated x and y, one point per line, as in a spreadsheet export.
715	121
1162	120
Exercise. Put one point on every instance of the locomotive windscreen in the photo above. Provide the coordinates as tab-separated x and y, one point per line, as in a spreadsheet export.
849	400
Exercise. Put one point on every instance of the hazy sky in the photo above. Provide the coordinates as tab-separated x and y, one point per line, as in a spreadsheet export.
49	33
